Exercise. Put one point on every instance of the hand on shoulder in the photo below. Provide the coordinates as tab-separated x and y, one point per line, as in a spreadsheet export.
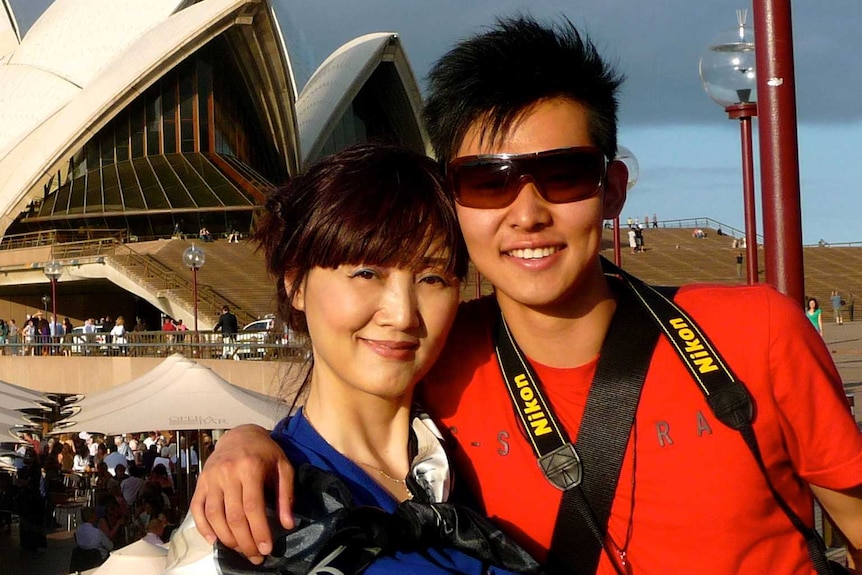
229	504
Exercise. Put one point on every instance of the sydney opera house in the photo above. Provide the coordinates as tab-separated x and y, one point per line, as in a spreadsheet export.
126	126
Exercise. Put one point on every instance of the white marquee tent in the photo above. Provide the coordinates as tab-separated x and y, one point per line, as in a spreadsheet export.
12	395
12	417
182	396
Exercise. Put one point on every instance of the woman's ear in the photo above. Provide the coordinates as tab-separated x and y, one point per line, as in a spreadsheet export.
298	299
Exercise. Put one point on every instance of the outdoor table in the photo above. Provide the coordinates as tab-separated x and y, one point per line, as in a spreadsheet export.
69	513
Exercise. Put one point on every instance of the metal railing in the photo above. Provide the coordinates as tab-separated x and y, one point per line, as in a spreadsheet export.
825	244
52	237
705	223
262	346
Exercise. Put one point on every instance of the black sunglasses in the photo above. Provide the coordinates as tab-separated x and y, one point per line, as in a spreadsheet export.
494	180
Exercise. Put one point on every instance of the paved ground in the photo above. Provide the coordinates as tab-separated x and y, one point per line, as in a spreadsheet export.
53	560
845	342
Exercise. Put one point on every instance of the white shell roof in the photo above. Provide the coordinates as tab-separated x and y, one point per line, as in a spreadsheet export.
9	34
64	50
339	79
47	109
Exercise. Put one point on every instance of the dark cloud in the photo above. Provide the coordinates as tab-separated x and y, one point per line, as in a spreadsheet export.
656	44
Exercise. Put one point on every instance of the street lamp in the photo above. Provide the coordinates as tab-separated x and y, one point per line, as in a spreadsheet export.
53	270
194	258
727	71
625	156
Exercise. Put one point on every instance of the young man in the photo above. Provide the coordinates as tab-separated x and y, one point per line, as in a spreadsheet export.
227	324
539	102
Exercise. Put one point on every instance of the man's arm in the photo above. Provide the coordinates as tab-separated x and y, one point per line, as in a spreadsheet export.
845	509
228	503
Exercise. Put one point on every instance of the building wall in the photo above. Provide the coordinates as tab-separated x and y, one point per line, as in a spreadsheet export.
88	374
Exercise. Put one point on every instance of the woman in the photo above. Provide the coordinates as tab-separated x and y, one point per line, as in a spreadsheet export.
28	333
813	312
367	255
118	334
81	461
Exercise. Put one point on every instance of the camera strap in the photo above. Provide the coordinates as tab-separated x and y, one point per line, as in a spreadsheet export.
643	313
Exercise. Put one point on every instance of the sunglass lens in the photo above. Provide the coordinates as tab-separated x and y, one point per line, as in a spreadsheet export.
568	177
482	184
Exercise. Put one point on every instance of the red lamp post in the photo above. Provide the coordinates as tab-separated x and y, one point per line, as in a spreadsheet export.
727	71
779	153
194	258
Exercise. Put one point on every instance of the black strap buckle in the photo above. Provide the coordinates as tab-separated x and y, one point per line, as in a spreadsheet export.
562	467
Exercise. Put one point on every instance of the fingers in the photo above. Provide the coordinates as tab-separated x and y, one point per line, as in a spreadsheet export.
257	540
218	510
229	502
284	494
237	527
199	514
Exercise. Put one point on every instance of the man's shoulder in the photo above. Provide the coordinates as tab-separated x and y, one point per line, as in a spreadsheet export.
749	313
739	297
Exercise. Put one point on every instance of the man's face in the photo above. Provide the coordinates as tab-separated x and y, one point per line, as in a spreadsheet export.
536	253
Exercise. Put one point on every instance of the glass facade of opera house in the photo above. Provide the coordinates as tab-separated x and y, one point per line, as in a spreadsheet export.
192	150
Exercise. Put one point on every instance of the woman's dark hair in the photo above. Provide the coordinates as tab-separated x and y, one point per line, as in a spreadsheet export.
816	303
371	203
496	76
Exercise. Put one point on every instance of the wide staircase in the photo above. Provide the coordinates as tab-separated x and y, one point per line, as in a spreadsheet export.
233	274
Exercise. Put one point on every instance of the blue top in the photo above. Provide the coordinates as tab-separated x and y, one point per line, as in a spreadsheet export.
302	444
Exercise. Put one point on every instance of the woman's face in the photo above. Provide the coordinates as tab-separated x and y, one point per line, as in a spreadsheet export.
812	304
376	330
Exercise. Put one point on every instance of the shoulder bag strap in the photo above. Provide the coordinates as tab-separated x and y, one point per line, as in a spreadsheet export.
603	436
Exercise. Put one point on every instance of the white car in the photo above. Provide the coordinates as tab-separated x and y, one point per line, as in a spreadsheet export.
255	340
261	339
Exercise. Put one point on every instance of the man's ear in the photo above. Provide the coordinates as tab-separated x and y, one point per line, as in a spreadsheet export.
616	181
298	301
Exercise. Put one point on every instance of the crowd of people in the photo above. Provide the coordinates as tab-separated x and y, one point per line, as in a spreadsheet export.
128	486
42	334
107	336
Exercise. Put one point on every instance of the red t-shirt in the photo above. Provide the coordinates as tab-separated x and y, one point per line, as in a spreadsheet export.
701	502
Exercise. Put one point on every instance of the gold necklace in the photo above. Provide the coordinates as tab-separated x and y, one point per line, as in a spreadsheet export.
367	465
381	471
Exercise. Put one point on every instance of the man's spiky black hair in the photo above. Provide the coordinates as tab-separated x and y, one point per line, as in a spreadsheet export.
497	75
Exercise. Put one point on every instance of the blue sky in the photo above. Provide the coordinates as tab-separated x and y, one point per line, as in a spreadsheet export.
687	149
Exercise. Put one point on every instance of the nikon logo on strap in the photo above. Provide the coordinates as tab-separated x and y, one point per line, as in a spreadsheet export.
692	346
530	408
